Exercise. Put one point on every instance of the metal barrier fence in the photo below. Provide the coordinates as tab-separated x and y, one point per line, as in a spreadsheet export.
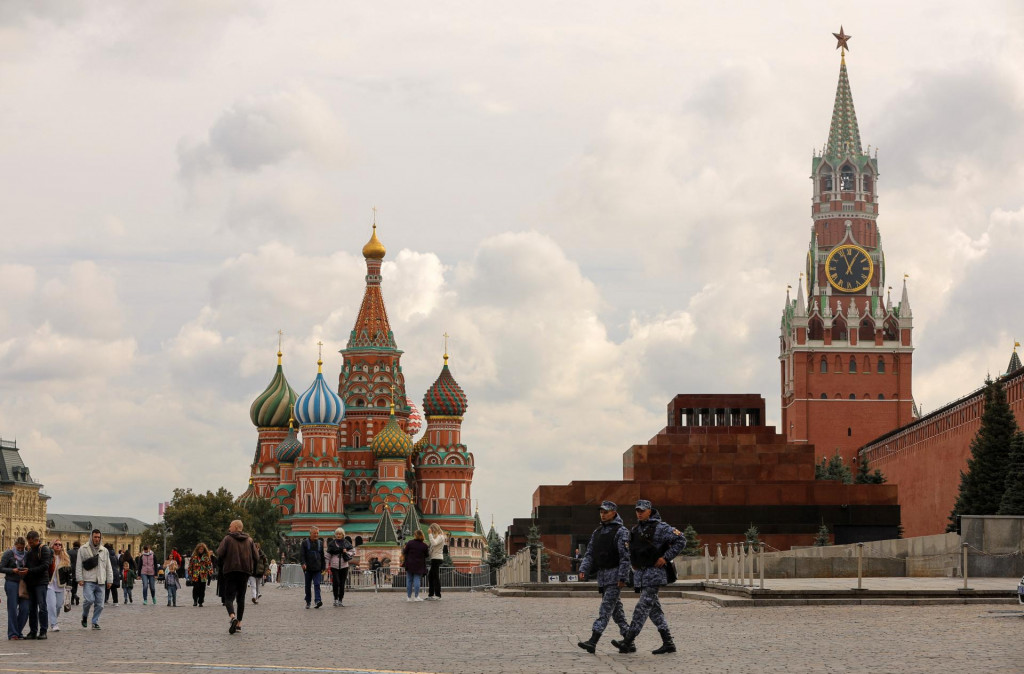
385	578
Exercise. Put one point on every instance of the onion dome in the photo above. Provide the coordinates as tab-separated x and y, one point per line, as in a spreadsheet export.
290	447
415	421
272	408
248	496
319	405
445	397
374	249
392	442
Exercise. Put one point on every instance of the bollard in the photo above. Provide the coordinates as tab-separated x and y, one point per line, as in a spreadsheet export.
730	562
965	566
707	564
718	554
750	554
760	562
860	566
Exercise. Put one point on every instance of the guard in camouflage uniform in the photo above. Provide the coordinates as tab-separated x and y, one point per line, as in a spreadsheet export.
652	544
608	558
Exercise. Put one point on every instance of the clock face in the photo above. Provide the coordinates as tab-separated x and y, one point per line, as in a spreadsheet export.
810	270
849	268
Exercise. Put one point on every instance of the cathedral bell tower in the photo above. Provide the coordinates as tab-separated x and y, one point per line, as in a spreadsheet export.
845	349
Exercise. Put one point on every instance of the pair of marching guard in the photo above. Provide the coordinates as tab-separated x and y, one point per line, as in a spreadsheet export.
648	548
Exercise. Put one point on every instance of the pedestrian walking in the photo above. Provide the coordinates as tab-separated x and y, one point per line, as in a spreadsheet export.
73	554
272	571
339	551
171	583
58	599
257	578
38	558
652	545
147	568
114	590
237	555
12	565
200	570
607	558
128	577
438	540
94	574
312	553
414	560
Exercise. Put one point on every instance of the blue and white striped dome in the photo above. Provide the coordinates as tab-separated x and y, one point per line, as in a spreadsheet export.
319	405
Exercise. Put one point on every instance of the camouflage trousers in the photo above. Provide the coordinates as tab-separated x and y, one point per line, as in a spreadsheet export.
649	605
611	607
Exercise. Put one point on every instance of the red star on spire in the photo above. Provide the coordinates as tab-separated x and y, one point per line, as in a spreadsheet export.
843	39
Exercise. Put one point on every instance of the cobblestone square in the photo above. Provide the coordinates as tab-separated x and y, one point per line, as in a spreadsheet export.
383	633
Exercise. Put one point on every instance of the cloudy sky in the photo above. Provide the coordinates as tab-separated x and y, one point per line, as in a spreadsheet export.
602	203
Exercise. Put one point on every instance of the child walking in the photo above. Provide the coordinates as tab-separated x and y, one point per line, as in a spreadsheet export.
171	582
128	577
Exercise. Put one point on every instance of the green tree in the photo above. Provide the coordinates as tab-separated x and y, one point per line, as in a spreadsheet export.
693	547
153	536
261	518
982	486
833	469
752	534
865	476
1012	502
822	538
496	555
533	540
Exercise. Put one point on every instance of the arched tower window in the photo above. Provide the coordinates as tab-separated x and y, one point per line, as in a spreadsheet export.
826	182
881	397
815	329
867	331
853	396
839	364
824	396
839	329
853	364
881	365
866	180
847	179
824	365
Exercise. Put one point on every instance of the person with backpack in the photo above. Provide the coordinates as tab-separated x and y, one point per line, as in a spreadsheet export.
256	579
652	547
607	558
313	563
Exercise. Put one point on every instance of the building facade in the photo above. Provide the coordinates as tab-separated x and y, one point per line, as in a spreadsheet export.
22	503
346	457
124	533
845	351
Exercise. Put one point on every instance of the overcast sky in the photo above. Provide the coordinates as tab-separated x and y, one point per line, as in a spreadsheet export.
602	202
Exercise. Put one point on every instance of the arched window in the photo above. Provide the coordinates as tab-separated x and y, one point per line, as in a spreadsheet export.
853	396
826	182
846	181
815	329
867	330
881	365
867	365
866	180
824	396
824	365
839	364
839	329
881	397
849	432
853	364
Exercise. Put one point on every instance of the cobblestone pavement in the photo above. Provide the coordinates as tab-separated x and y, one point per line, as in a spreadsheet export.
478	632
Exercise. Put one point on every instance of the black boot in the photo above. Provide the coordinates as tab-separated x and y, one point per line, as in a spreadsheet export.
626	645
590	646
666	644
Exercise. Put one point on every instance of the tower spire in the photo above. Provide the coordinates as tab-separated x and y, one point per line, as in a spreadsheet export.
843	132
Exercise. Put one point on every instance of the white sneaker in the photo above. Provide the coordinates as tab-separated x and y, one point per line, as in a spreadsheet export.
55	629
418	599
409	599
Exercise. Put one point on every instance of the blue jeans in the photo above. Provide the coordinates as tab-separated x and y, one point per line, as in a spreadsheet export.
312	579
127	594
172	595
92	593
412	584
150	583
17	610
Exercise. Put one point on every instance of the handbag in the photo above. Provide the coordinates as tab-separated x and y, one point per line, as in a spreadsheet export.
91	563
22	589
67	600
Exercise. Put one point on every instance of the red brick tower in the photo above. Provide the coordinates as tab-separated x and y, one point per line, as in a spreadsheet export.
846	350
370	368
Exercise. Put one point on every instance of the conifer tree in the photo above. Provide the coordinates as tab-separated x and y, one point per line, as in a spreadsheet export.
496	555
833	469
751	535
693	547
821	539
1013	497
982	486
865	476
533	540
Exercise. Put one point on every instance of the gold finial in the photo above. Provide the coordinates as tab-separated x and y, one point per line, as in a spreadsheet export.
392	400
280	336
374	249
319	357
291	417
1015	345
906	276
445	348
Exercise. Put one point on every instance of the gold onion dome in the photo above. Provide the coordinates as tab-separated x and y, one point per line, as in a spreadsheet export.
272	408
374	249
392	442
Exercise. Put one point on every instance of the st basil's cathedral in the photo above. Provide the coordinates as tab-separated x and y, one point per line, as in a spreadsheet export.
348	459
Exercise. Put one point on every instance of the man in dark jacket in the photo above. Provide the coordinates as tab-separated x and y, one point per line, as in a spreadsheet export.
312	557
73	554
652	547
37	560
607	557
237	555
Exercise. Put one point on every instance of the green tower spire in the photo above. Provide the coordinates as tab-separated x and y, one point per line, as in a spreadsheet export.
843	132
